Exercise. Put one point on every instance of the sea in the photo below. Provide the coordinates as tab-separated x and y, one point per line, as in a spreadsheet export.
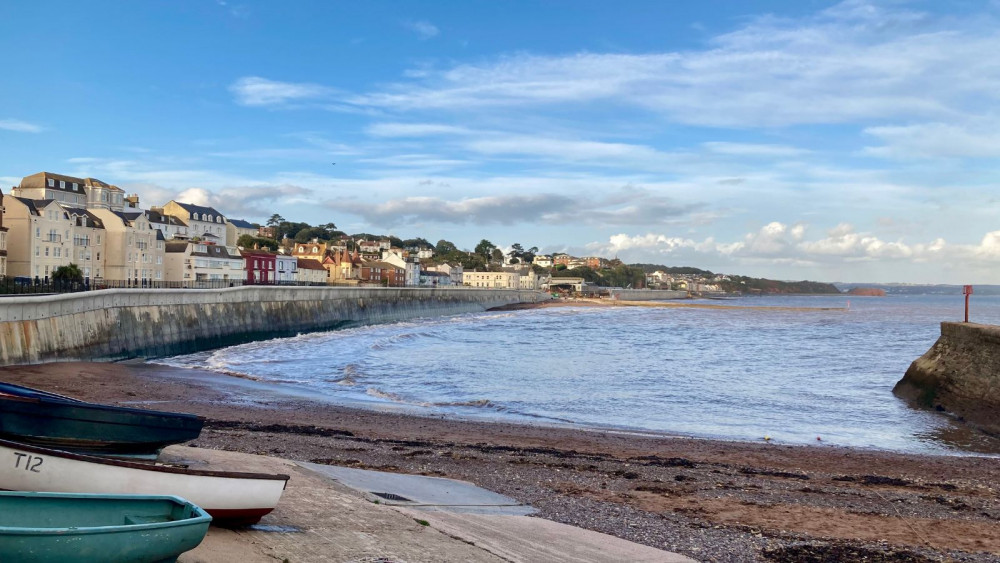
788	369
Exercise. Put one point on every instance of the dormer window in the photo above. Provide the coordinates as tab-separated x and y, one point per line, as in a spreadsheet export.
76	187
194	215
52	183
218	219
315	250
62	184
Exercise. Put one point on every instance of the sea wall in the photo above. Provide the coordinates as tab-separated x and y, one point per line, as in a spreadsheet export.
135	323
959	374
647	294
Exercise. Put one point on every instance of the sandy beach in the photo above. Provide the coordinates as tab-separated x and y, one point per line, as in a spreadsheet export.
710	500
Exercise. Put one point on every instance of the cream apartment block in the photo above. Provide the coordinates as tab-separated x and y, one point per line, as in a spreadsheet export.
191	262
203	223
235	228
134	247
47	234
495	280
170	226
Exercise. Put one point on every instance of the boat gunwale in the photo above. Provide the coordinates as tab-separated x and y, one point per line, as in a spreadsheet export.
143	466
77	403
200	516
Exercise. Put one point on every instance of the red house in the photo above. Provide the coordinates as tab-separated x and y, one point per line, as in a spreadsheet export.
259	266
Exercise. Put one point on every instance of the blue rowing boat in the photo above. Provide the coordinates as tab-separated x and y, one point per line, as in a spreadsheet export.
46	419
95	528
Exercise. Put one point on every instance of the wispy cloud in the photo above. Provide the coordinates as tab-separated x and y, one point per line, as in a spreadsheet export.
257	91
424	29
20	126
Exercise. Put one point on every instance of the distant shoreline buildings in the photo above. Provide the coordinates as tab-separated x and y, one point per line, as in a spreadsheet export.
51	220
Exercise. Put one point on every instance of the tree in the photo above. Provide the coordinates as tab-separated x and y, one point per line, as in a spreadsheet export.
444	247
497	255
249	241
516	250
70	273
275	220
484	248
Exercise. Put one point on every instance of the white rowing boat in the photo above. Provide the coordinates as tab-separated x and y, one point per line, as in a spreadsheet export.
231	498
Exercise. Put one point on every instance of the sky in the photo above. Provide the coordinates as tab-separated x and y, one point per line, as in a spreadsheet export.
854	141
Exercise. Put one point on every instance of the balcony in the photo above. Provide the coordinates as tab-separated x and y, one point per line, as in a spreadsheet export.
52	238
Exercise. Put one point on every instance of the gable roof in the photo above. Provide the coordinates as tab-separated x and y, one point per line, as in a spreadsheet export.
199	209
157	217
241	224
309	264
34	205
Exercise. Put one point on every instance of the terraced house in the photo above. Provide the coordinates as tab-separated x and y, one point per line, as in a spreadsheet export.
196	264
134	247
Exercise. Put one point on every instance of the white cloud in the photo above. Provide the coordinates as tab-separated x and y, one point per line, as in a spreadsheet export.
20	126
423	29
936	140
852	63
751	149
414	130
257	91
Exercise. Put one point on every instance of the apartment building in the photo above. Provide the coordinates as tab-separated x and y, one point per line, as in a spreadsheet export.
235	228
191	262
495	280
47	234
171	227
134	247
204	223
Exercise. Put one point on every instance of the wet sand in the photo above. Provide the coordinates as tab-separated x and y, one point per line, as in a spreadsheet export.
711	500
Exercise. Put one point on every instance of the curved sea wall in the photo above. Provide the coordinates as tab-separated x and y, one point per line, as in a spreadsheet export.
135	323
959	374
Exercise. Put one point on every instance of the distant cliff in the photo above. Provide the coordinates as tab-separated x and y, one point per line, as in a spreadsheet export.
774	287
867	292
959	374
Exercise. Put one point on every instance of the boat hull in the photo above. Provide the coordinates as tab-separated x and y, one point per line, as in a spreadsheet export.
45	419
233	499
56	527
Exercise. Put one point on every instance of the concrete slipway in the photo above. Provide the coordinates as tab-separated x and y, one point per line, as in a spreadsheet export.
328	513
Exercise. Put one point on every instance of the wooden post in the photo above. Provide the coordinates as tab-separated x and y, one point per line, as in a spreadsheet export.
967	291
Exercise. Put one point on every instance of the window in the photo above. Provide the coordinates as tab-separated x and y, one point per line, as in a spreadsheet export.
76	187
52	184
62	184
38	232
37	250
46	251
98	239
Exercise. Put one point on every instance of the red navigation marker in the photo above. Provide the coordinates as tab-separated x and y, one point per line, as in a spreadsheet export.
967	291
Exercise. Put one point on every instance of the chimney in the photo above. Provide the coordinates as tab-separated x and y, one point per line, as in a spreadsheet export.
132	200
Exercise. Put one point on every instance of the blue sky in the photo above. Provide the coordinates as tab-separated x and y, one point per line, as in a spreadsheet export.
850	141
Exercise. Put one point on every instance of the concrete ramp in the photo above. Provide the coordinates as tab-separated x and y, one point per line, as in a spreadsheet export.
422	493
527	539
495	523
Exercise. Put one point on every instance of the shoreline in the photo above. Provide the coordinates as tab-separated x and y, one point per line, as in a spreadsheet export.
709	499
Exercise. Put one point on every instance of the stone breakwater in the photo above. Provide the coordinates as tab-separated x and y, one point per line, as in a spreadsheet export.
136	323
959	374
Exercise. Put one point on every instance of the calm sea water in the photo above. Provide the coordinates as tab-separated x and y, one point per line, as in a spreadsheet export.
737	374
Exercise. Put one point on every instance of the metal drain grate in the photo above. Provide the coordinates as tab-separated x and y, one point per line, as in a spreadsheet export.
391	496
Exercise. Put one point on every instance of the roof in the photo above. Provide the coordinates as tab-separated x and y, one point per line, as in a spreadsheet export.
157	217
309	264
241	224
257	252
211	250
38	180
380	264
34	205
200	209
80	212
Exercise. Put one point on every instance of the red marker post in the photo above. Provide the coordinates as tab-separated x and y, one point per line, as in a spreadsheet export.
967	291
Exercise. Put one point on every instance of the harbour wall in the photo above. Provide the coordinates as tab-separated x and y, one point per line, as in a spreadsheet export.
960	374
135	323
647	294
